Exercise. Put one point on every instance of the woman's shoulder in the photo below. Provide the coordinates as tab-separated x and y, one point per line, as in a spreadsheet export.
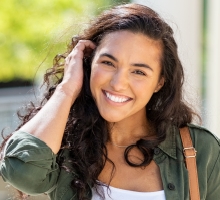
207	146
202	136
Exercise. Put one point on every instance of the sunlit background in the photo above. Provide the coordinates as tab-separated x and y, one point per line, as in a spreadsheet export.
33	31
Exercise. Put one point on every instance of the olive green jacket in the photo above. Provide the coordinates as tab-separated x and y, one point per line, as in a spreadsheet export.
30	166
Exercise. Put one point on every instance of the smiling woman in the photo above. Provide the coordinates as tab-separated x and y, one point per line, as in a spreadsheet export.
108	127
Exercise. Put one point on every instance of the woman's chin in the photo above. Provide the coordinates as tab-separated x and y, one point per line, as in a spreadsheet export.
112	119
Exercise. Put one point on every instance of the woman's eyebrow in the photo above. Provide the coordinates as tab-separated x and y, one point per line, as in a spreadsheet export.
142	65
109	56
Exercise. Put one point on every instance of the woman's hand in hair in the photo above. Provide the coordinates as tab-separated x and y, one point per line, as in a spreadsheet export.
73	71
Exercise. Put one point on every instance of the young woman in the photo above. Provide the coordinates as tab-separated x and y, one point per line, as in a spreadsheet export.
108	127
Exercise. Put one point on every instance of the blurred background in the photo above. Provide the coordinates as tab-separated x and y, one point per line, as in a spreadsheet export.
32	32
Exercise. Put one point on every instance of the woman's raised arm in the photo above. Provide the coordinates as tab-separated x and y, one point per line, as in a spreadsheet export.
49	123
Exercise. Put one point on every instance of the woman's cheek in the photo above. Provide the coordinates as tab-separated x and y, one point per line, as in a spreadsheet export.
96	79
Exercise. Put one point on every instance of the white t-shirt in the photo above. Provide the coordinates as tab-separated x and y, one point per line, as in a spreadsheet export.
120	194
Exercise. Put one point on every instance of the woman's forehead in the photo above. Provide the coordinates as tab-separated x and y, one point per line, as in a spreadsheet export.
135	44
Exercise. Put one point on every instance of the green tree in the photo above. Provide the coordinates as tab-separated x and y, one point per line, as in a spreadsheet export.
32	30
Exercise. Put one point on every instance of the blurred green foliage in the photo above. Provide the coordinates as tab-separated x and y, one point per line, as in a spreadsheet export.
32	30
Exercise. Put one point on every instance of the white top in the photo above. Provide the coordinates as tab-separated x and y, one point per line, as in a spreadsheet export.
120	194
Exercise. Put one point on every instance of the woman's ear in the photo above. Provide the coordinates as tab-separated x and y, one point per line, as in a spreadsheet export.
160	84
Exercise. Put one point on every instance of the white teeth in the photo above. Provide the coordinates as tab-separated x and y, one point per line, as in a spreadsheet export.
115	98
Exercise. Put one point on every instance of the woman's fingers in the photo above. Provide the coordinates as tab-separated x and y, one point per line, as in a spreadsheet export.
73	71
80	49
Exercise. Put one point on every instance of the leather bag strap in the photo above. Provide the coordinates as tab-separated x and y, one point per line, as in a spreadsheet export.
190	159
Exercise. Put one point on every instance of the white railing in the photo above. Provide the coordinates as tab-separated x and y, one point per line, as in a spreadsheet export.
12	100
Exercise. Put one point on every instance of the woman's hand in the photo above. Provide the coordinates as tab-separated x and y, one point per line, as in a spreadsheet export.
73	71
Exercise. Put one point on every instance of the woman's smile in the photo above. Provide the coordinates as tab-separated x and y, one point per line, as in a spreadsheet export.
121	99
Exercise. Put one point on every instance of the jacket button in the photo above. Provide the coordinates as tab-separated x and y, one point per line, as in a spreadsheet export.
156	151
171	186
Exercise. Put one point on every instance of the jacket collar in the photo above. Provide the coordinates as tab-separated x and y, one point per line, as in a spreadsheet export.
168	146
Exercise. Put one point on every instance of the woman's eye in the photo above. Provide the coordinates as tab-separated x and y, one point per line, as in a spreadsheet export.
107	63
139	72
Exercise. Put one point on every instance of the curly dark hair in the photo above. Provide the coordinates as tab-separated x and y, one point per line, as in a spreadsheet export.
86	132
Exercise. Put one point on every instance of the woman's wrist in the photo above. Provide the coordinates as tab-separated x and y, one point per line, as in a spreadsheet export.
63	89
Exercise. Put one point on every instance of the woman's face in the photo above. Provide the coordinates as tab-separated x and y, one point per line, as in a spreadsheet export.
125	73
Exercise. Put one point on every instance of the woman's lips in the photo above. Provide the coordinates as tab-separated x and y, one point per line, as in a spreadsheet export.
116	98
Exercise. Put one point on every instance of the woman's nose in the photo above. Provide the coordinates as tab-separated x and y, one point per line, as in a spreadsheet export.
119	81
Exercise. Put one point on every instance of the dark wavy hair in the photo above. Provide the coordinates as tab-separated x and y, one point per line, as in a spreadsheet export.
86	132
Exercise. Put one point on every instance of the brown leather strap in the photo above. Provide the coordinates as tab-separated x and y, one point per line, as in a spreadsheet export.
190	158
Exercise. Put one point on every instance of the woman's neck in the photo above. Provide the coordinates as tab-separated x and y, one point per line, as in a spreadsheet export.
128	131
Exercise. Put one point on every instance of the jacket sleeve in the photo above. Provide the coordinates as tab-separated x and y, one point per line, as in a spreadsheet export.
213	191
29	164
